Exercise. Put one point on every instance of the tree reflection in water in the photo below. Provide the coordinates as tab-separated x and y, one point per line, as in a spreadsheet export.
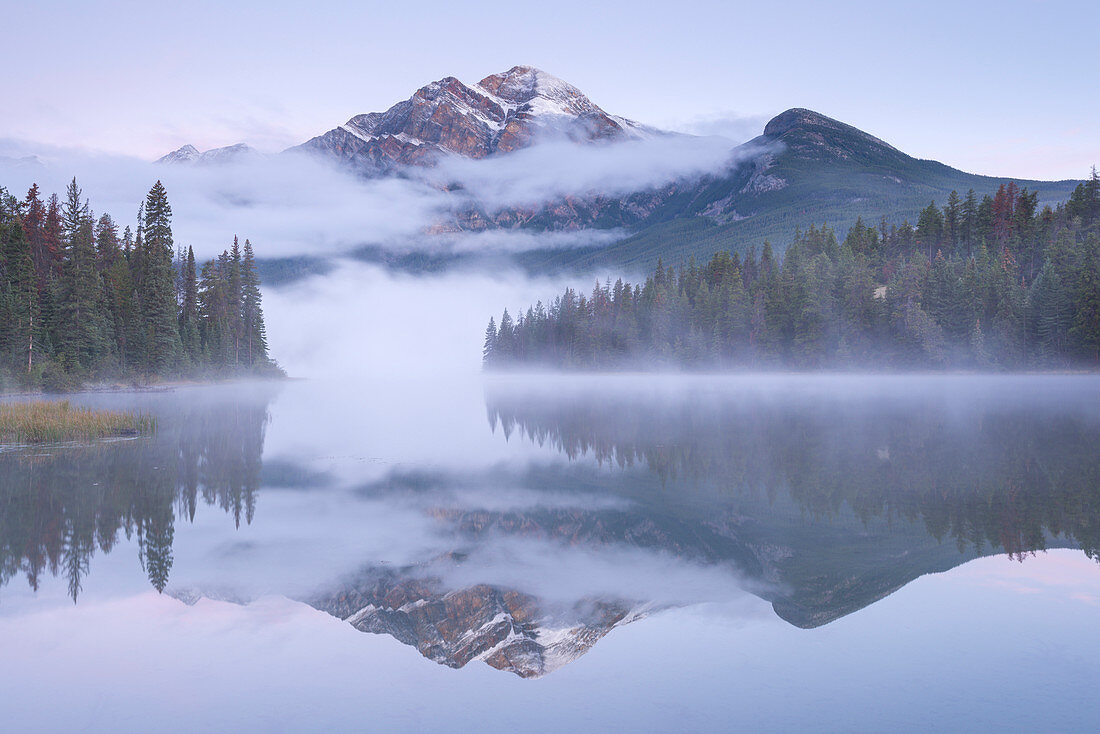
60	504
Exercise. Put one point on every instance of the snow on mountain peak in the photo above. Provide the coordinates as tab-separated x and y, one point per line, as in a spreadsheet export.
184	154
191	154
535	92
501	113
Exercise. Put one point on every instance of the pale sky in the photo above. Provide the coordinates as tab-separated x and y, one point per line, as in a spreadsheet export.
1003	88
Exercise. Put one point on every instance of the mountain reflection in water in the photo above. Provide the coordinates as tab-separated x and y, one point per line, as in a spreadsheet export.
837	498
612	499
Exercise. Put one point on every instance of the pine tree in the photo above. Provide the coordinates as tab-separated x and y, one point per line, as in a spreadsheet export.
84	335
19	327
1086	322
952	221
189	310
930	229
121	304
969	215
503	345
233	296
1084	203
158	300
252	313
73	213
490	342
34	228
211	323
108	256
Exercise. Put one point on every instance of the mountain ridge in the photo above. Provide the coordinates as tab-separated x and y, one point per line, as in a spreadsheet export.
501	113
805	168
809	170
189	154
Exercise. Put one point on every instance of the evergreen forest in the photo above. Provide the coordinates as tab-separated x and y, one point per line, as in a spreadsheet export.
80	301
979	283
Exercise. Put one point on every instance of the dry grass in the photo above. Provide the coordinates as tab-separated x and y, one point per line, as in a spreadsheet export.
44	422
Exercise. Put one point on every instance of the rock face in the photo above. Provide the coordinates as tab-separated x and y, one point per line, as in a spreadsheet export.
501	113
507	629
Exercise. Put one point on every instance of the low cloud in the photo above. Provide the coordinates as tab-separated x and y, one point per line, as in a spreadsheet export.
294	204
558	169
287	204
402	325
732	126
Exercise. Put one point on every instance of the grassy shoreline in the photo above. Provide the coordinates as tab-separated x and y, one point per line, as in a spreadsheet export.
44	421
124	386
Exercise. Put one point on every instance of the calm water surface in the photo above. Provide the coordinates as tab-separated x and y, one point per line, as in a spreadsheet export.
826	553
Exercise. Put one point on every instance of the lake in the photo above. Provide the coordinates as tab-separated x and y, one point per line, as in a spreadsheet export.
548	553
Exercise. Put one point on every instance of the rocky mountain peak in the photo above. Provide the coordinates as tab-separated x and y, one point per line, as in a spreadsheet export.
501	113
801	120
526	86
506	628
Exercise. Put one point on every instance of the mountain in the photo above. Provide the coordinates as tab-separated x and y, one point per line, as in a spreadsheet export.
501	113
806	168
189	154
506	628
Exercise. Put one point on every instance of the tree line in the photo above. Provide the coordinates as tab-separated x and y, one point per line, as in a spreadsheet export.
79	301
979	283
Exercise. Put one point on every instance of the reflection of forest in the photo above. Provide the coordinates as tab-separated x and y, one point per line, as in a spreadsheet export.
58	505
988	475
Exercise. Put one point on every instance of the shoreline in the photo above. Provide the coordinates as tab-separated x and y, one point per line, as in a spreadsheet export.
108	387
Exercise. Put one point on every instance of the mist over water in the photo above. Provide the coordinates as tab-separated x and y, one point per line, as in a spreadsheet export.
615	535
362	322
622	531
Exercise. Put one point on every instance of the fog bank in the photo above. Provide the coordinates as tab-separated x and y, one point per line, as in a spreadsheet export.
293	203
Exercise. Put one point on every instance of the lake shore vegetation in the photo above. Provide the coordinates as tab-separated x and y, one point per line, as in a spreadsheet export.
58	420
81	302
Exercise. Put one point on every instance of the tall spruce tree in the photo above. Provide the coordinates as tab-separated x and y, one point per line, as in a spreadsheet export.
189	311
489	347
252	313
157	284
19	325
83	339
233	306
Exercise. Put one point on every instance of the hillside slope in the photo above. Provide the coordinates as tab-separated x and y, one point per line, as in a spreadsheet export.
809	169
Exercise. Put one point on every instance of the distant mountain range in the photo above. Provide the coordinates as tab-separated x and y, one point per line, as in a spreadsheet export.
804	169
228	154
500	114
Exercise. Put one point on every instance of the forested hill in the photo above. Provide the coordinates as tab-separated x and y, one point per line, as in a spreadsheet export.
804	169
990	283
80	302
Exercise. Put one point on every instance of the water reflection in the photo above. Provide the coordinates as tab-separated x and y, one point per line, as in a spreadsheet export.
586	504
840	493
60	504
991	472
